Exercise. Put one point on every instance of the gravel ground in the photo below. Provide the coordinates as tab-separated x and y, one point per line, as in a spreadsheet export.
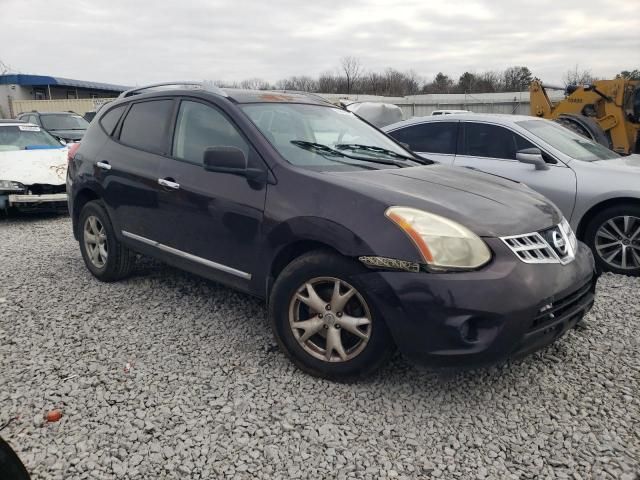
209	396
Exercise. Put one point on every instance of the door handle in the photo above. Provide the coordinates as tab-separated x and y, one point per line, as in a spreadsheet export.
103	165
169	183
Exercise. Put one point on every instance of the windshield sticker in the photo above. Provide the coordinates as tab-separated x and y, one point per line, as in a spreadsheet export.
29	128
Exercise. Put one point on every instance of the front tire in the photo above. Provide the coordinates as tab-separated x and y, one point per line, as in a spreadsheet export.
323	320
105	257
614	238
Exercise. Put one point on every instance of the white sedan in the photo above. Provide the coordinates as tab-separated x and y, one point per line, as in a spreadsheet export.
33	167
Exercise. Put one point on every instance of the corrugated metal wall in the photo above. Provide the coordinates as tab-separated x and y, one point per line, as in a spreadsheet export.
423	105
80	106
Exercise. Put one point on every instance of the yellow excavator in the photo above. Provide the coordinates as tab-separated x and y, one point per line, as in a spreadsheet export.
607	111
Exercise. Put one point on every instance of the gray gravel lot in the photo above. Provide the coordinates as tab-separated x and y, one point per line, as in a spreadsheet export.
209	396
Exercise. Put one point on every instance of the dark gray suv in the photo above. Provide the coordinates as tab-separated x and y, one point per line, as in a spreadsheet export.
357	245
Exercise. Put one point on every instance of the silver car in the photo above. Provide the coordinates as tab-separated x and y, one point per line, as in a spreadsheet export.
598	190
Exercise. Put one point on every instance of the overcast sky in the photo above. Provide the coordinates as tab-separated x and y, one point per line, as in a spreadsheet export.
141	41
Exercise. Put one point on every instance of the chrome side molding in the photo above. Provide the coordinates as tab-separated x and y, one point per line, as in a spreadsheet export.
188	256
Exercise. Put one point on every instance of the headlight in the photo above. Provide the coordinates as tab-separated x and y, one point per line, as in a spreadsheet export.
442	243
9	186
566	228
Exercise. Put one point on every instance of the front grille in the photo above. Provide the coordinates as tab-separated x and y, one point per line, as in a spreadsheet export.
45	189
552	245
560	310
531	248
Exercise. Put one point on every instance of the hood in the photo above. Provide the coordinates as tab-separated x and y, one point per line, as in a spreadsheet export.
488	205
68	134
629	163
34	166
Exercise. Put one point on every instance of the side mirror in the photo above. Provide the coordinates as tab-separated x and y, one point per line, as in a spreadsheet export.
405	145
532	156
230	160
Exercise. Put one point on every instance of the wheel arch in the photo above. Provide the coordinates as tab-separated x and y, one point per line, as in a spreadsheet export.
301	235
599	207
81	198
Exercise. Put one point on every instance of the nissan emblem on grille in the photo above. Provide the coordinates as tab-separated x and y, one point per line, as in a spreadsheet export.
556	239
547	246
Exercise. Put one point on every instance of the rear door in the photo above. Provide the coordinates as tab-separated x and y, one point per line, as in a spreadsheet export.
127	166
211	219
492	148
432	140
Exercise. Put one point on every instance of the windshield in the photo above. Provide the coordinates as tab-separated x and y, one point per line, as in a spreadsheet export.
63	122
568	142
25	137
325	137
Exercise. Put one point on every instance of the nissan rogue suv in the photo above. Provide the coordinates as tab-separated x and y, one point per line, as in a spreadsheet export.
357	245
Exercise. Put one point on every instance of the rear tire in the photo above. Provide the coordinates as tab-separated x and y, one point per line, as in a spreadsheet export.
341	337
586	127
11	467
105	257
614	238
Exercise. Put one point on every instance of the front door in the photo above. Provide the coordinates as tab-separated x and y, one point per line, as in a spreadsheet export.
209	218
492	148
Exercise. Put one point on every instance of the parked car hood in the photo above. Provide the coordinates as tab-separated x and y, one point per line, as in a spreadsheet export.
47	166
68	134
489	205
631	162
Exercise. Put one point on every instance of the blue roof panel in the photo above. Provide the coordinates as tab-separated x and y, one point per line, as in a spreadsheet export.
44	80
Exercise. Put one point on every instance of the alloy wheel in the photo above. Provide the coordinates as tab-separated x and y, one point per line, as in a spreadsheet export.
95	241
330	320
617	242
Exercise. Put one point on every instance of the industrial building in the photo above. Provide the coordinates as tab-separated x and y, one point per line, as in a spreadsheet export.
17	88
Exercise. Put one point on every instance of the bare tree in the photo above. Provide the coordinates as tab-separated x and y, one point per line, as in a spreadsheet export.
629	74
301	83
517	79
255	84
352	68
223	83
441	84
575	76
467	83
328	83
4	68
488	82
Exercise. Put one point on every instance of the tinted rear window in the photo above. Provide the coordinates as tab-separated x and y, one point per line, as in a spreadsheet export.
146	125
110	119
63	121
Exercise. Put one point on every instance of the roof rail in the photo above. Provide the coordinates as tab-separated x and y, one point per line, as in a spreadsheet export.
195	85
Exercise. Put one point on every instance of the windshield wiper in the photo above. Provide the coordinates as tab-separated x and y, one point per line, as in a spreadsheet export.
325	149
371	148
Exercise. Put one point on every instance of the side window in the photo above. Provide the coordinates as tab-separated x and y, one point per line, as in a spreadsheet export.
200	126
492	141
522	143
146	125
436	137
110	119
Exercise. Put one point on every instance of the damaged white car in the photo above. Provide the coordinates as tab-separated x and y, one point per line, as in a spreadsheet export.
33	167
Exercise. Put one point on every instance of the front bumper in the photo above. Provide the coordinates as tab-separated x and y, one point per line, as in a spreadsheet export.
507	309
55	200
